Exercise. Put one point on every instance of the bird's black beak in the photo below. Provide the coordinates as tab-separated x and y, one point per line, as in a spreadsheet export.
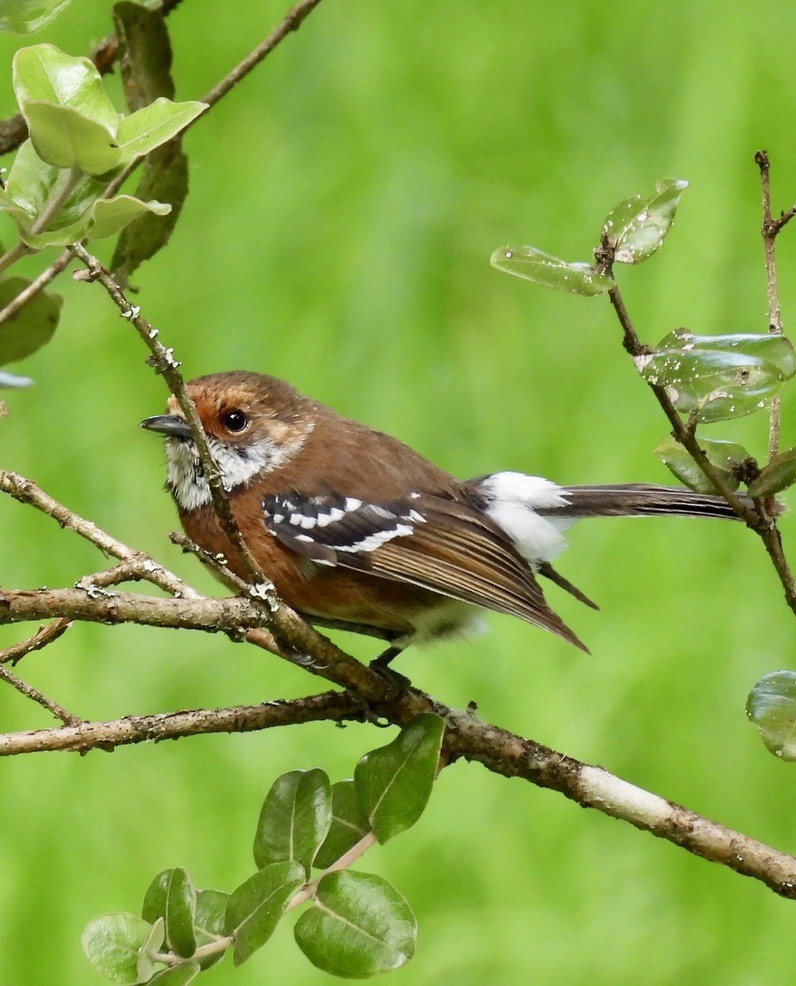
171	425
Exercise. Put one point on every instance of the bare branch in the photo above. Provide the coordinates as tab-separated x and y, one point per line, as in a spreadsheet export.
36	286
592	787
466	737
164	363
292	21
26	491
757	520
84	736
36	696
41	638
770	230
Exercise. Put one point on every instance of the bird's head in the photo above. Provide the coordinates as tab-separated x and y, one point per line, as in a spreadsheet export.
253	425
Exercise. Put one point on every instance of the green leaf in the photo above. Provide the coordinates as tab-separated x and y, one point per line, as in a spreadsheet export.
111	944
43	73
72	122
26	16
108	216
637	226
145	966
153	125
778	475
209	922
179	975
65	138
31	184
255	908
349	824
725	457
32	327
171	896
294	819
721	377
551	272
359	926
763	346
394	782
772	708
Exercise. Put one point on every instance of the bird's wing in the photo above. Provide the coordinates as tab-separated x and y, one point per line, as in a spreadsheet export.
428	541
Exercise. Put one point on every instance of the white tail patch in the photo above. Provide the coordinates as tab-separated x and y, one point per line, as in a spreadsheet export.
512	501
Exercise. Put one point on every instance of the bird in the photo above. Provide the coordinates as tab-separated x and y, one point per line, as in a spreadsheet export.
356	528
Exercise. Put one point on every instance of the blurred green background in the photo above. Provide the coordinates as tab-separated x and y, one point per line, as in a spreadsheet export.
345	200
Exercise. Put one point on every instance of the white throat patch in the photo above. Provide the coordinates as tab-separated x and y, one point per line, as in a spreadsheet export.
237	464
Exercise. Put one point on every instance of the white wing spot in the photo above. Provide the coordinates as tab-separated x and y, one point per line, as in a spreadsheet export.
334	514
377	539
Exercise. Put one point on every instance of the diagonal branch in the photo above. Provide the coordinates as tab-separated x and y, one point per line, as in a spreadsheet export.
593	787
36	696
164	363
757	520
465	737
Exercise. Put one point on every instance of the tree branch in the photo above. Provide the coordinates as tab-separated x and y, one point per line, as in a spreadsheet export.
757	520
36	696
164	363
593	787
770	230
466	737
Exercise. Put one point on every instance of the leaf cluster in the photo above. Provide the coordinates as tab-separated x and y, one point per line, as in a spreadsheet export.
60	186
707	378
355	925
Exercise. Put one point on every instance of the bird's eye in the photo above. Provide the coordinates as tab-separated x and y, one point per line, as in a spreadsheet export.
234	420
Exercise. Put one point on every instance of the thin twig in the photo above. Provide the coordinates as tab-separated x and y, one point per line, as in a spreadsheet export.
26	491
758	521
36	696
49	274
770	229
164	363
41	638
681	432
292	21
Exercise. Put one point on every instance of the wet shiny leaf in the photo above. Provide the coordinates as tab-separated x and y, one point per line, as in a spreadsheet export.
551	272
771	706
724	456
778	475
637	227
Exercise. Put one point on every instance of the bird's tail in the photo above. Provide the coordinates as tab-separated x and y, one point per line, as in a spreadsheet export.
639	500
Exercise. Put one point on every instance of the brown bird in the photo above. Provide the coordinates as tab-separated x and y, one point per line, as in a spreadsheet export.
353	526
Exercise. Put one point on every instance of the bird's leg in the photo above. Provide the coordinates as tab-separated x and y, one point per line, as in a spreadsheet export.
386	657
381	664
